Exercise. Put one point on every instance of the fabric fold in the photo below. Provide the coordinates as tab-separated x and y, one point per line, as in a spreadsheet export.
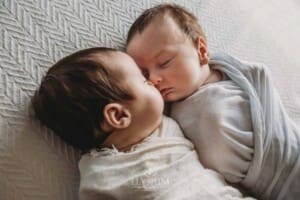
274	172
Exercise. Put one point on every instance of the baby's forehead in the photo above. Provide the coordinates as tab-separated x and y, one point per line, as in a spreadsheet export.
155	38
163	30
161	20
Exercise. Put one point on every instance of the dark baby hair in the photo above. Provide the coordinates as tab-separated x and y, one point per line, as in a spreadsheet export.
73	94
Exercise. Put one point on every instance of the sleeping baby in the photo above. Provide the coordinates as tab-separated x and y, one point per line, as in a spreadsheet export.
97	100
229	108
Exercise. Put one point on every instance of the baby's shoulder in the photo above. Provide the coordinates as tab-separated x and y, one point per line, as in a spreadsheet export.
245	66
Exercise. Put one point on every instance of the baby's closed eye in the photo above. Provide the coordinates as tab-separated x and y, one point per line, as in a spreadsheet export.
166	61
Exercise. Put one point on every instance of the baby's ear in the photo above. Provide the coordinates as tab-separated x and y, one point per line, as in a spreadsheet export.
202	49
116	116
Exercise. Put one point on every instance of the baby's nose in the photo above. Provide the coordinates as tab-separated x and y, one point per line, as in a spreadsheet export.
155	79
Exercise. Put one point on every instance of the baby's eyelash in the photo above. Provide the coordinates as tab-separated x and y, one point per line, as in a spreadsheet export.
166	62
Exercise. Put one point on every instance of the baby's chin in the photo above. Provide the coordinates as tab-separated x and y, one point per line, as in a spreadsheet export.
179	95
173	98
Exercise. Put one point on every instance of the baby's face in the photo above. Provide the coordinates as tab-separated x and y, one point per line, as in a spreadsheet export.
147	104
168	59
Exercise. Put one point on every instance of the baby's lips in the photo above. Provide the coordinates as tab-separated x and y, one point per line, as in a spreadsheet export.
165	91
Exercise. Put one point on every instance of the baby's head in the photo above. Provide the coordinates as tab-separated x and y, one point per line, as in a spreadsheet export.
97	95
170	47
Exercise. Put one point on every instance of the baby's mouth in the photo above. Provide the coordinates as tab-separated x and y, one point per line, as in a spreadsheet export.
165	91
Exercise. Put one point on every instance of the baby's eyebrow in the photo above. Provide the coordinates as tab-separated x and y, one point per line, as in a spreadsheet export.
161	52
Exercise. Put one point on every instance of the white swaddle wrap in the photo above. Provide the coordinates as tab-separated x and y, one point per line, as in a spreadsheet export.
274	172
164	166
